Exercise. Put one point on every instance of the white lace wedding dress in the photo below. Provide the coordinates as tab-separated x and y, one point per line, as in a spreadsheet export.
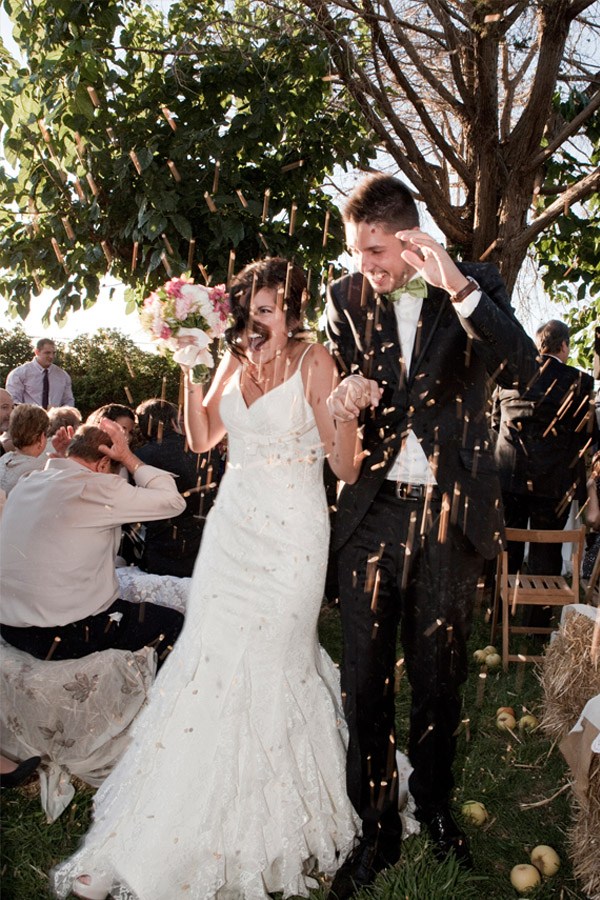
234	784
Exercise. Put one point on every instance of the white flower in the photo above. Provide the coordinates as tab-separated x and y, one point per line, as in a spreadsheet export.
193	353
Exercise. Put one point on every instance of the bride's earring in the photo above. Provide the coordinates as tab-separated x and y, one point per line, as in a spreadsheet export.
290	334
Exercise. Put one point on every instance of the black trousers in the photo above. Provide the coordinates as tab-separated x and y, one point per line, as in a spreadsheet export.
523	511
123	626
399	569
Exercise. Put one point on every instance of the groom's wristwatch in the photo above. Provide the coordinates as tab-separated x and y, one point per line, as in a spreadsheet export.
464	292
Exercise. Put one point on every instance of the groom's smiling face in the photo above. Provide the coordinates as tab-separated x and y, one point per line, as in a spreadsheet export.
377	254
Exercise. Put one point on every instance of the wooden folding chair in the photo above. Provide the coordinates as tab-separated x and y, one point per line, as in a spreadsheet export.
521	589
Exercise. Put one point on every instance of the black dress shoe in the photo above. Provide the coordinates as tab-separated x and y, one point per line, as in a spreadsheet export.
447	835
360	869
21	773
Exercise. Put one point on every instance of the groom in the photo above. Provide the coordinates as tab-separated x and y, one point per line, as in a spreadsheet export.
412	533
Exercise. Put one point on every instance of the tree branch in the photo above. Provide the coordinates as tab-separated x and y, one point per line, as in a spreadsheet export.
584	188
570	128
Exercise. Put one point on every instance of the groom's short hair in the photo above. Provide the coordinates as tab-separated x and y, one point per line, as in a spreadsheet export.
382	200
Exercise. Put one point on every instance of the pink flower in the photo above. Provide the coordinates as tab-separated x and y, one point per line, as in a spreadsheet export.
174	286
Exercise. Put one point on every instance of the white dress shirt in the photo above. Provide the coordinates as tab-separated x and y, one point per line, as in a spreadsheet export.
411	465
60	533
25	384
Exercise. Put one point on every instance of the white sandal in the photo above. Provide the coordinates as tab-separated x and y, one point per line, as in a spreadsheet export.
97	889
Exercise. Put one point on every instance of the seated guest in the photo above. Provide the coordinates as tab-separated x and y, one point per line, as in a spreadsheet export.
6	407
60	533
27	427
170	547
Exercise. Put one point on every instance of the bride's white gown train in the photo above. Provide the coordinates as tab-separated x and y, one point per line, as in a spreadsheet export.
234	783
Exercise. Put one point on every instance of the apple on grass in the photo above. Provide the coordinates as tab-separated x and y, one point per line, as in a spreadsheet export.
545	859
528	722
479	656
505	722
524	878
505	709
475	812
493	660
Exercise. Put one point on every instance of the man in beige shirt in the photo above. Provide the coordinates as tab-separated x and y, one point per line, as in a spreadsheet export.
60	534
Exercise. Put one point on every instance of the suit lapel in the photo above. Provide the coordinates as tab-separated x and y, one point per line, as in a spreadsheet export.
434	306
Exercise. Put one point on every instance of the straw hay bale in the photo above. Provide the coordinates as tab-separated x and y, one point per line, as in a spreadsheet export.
584	835
570	675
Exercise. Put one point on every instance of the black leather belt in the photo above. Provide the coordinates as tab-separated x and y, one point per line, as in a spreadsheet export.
404	491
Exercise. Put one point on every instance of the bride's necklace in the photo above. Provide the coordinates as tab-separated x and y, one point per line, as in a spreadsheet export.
265	376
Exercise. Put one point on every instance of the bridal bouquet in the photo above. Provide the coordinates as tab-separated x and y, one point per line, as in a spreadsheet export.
183	318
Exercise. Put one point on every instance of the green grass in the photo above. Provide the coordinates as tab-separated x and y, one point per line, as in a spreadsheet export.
491	766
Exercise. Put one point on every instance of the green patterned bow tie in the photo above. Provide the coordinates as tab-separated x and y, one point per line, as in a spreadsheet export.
416	287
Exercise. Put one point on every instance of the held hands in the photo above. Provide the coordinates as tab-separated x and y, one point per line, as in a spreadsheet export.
352	395
431	261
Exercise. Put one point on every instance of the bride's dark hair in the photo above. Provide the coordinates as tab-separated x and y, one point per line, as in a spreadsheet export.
272	273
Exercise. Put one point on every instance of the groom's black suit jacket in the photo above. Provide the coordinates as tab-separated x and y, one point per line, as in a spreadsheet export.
443	398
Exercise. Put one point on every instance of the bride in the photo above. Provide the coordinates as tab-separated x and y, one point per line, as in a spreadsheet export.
234	783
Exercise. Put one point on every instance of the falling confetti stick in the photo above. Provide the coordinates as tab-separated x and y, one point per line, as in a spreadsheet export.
382	795
163	392
173	170
326	228
79	145
112	136
295	165
134	255
167	244
92	184
204	273
241	198
492	17
169	117
265	209
215	184
263	241
230	267
433	627
68	228
37	281
160	430
52	649
128	395
481	688
93	96
191	250
79	190
134	158
107	252
398	674
489	250
166	264
129	368
293	211
58	253
44	130
210	202
375	594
